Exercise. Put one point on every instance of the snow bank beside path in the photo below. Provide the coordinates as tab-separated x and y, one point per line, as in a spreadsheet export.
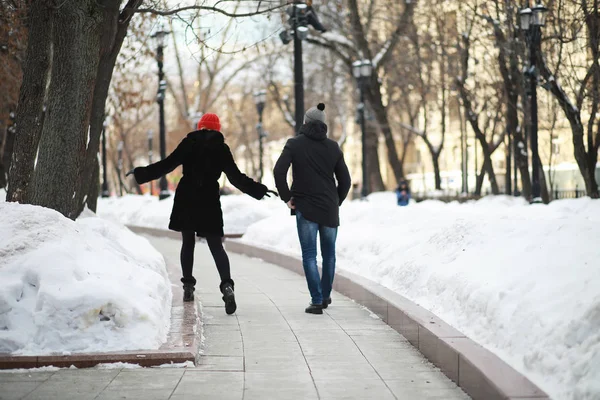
239	211
522	280
78	286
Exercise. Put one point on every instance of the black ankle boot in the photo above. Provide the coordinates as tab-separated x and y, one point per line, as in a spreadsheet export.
326	302
188	293
228	296
314	309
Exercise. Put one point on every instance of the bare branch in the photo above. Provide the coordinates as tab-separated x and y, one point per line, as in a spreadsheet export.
207	8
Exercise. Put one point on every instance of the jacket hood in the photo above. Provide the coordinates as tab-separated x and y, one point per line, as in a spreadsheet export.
206	137
315	130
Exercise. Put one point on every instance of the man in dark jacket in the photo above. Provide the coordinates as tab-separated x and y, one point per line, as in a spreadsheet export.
315	198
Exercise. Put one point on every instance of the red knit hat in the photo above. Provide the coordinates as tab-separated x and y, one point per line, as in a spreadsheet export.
210	121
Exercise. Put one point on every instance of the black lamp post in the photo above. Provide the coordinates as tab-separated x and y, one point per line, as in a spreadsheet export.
160	99
105	192
362	71
260	99
301	14
532	20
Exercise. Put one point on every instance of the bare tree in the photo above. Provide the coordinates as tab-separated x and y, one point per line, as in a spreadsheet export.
76	42
355	38
580	100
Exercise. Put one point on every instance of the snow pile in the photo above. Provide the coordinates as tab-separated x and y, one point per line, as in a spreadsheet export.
522	280
239	212
83	286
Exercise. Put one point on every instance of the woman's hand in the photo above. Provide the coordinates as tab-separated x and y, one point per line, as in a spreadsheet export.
271	191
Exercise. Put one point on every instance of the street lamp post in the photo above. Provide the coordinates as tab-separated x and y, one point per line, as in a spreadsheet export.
301	14
160	99
105	192
260	99
150	154
532	20
362	71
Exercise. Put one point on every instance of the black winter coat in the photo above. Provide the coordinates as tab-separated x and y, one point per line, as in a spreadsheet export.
197	206
316	164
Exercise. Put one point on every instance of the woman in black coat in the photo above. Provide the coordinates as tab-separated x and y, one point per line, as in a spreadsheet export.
197	206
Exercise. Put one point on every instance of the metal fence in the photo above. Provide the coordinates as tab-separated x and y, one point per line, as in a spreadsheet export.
567	194
449	196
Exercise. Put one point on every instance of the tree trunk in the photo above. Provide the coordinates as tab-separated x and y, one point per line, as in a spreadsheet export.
521	157
373	168
30	111
375	100
112	34
435	158
3	139
62	155
543	185
479	180
94	187
6	150
488	167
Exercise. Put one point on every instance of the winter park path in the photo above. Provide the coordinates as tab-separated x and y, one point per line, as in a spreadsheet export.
270	349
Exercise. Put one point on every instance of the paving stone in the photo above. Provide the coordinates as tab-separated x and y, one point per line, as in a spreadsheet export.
148	379
6	376
135	394
216	363
211	385
17	389
354	389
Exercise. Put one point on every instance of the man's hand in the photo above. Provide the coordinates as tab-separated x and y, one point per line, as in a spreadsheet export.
291	204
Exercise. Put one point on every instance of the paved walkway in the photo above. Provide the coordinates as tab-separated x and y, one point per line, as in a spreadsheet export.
270	349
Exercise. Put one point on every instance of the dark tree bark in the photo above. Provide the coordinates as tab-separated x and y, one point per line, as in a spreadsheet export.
94	188
373	167
6	150
30	111
479	180
62	152
375	99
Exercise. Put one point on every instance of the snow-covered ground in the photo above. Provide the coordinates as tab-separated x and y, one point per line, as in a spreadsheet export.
239	211
522	280
78	286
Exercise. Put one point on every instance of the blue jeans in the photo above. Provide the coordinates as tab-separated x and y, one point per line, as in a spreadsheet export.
319	287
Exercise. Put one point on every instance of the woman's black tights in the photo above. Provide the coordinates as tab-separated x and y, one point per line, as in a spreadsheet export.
215	245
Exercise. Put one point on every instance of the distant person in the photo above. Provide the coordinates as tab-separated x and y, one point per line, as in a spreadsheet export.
315	199
403	193
197	208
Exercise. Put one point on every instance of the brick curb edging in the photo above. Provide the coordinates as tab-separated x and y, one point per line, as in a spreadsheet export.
479	372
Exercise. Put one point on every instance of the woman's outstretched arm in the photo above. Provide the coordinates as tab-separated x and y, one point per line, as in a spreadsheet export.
160	168
239	179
